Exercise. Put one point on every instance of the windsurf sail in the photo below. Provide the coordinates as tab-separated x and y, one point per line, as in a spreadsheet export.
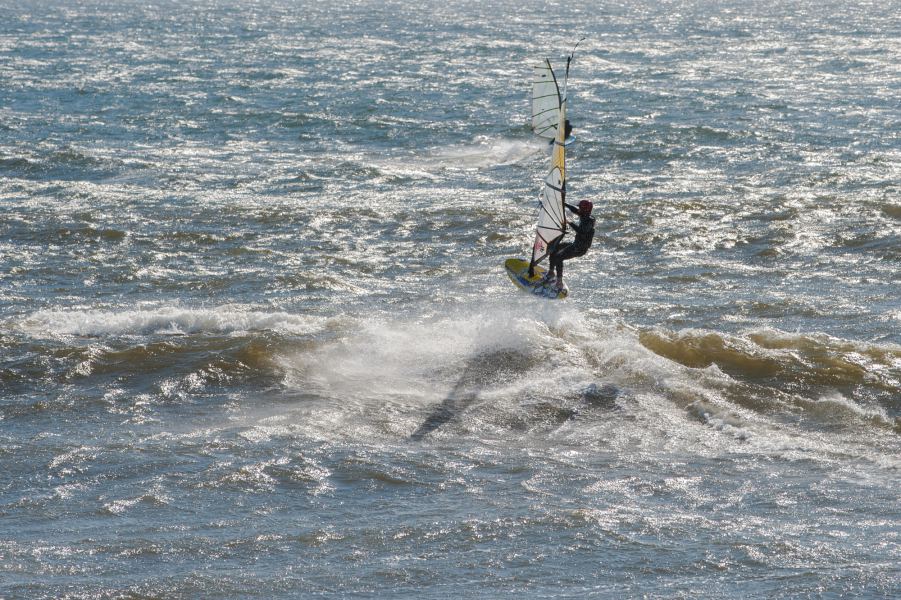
551	213
545	101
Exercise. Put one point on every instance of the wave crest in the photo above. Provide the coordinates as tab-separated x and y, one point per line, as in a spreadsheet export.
165	320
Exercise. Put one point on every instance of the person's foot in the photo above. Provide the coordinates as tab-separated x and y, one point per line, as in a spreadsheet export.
559	283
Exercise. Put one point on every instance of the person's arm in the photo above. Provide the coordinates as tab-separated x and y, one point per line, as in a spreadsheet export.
572	208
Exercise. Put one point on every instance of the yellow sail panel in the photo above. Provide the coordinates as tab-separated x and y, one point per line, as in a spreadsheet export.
559	155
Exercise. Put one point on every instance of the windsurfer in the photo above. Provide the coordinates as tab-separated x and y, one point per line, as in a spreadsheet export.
567	134
578	247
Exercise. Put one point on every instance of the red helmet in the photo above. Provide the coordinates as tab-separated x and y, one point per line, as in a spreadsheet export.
585	207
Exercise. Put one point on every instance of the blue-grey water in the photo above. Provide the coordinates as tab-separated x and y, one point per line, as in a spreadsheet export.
256	339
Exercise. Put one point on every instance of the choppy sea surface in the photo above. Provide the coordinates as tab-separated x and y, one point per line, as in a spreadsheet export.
256	339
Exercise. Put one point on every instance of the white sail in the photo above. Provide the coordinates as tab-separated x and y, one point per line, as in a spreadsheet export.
551	214
545	101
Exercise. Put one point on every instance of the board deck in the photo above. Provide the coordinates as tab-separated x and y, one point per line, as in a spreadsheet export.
518	271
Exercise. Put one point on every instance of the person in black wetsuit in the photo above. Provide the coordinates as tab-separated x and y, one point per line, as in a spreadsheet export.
578	247
567	132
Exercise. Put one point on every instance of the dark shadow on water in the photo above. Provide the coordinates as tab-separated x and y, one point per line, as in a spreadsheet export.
485	368
593	402
456	402
477	371
600	396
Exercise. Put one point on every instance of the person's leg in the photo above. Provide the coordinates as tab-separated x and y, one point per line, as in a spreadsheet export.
567	252
552	264
551	259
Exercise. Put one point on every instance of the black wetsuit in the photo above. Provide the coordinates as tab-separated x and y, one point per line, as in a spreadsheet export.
578	247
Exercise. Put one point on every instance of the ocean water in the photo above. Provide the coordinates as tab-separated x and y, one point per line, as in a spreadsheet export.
256	339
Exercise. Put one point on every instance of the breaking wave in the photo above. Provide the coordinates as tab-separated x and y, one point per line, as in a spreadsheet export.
491	370
229	319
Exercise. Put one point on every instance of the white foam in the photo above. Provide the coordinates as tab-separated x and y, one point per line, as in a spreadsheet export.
228	319
486	153
402	357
